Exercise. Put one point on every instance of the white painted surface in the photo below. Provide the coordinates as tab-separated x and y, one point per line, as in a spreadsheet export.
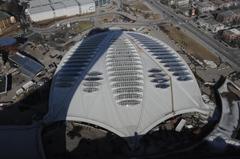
102	107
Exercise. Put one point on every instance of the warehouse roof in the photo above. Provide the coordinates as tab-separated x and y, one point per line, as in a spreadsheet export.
70	3
38	3
40	9
56	6
27	65
125	82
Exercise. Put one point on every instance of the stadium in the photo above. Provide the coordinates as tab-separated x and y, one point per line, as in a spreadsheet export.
126	83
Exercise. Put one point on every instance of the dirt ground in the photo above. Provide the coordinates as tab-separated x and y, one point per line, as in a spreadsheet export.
140	6
192	46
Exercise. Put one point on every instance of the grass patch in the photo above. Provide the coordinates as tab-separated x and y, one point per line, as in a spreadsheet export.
83	26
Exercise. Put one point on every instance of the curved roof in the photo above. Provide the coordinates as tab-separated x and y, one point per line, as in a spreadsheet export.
126	82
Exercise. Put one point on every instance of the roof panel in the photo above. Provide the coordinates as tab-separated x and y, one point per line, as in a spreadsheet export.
27	65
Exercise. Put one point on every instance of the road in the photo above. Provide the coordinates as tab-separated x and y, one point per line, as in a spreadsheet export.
94	17
231	56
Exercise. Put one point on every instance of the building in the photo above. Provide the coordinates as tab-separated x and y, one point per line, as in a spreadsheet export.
59	10
181	3
8	46
205	6
102	2
226	17
28	66
36	3
186	11
51	9
232	36
124	82
177	3
72	8
6	21
87	6
210	24
229	17
41	13
225	4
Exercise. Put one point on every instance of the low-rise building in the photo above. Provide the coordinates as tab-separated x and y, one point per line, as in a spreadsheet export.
27	65
86	6
211	24
45	2
205	6
185	11
181	2
38	3
177	3
6	21
229	17
71	7
40	13
49	9
59	10
223	4
232	35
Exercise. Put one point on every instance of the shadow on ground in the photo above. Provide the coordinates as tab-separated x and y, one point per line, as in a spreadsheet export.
32	108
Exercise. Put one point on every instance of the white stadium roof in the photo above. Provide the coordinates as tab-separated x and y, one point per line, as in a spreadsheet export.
125	82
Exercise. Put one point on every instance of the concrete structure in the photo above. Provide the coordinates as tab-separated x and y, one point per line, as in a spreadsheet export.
228	126
47	10
125	82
